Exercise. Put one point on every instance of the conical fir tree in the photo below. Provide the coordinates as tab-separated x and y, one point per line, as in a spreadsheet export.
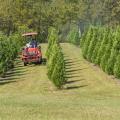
97	46
114	53
87	42
102	47
82	40
107	51
92	44
117	67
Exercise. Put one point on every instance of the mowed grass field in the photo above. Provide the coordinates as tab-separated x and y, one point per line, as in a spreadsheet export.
90	94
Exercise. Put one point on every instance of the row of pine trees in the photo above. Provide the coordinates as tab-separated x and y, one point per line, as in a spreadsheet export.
101	46
9	48
55	60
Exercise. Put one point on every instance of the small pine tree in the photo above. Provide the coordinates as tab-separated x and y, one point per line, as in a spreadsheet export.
52	38
58	74
55	64
107	51
97	46
87	42
77	38
114	52
117	67
102	47
73	37
9	48
92	44
52	59
82	39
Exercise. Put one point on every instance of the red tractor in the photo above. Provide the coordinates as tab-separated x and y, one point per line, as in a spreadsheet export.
31	53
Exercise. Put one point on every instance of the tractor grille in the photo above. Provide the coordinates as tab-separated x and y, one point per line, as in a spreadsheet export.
32	53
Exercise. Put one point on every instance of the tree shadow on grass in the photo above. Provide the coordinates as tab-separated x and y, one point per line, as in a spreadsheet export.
72	62
15	72
76	87
12	75
73	76
6	82
74	81
20	66
74	70
8	78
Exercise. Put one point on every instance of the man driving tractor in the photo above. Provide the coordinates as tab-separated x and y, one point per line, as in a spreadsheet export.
32	43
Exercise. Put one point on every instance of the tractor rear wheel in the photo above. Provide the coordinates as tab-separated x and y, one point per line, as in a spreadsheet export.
25	64
40	60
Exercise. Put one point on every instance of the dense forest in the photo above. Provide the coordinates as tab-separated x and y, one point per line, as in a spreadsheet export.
39	15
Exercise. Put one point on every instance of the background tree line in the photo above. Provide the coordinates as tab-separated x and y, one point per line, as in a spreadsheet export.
39	15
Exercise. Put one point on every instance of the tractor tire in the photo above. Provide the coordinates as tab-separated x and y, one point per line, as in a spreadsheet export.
25	64
40	61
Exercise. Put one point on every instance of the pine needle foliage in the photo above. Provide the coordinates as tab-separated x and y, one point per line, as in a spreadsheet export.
9	48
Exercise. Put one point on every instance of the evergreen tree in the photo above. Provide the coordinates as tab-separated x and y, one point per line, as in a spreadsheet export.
82	39
87	42
107	51
114	53
97	46
92	44
102	46
117	67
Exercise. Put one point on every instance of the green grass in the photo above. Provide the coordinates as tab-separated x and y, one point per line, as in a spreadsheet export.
90	94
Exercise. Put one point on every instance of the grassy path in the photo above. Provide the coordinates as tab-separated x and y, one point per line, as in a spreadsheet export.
27	94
